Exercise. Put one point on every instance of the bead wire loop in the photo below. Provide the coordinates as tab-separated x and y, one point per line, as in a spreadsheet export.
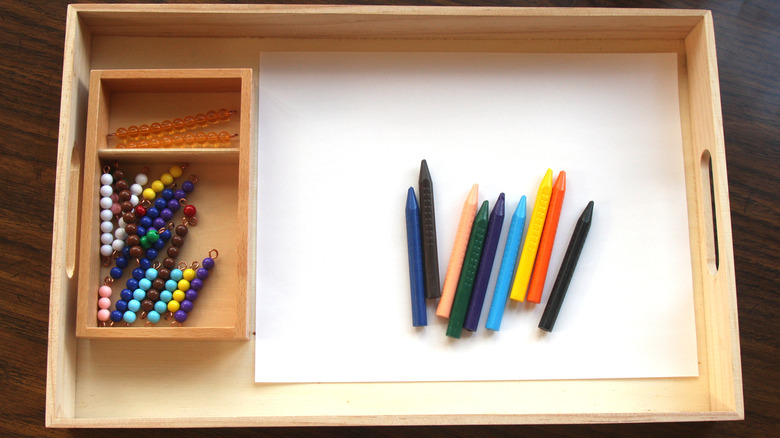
167	315
101	324
192	221
138	262
157	265
148	323
145	203
184	165
215	254
195	265
175	324
172	186
171	226
106	168
105	260
108	281
183	202
182	265
143	315
193	178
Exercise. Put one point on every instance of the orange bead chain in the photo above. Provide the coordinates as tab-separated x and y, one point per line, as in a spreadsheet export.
159	129
189	140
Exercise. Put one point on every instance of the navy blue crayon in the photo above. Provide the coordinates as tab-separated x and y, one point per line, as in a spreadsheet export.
416	276
485	265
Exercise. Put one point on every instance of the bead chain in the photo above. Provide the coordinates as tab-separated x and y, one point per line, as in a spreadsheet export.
198	139
188	123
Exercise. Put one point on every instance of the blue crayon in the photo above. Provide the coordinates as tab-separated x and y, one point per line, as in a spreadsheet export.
504	282
416	275
477	299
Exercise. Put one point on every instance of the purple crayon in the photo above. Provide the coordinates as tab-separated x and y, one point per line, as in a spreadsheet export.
485	265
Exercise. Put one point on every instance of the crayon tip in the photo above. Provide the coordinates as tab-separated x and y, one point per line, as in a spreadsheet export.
520	210
411	199
560	182
424	167
587	214
547	180
473	195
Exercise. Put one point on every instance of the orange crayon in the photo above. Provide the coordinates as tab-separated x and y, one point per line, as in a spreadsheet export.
458	253
539	275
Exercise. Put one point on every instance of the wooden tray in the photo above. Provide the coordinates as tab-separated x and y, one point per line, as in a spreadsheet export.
88	384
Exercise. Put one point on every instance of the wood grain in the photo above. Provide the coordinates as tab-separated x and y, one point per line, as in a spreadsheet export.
31	50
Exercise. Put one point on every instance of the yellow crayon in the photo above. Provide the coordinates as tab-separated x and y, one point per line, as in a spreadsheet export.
527	258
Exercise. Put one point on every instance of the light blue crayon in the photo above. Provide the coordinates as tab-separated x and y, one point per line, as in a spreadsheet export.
504	281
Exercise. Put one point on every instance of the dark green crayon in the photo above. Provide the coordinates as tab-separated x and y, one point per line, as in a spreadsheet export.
469	272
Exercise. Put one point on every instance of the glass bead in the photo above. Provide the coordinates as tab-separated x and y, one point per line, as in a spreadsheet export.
151	254
117	245
177	241
106	191
187	306
191	295
159	245
103	315
141	179
106	250
169	263
189	139
126	252
152	212
223	114
126	294
144	130
133	305
106	179
116	316
177	140
178	194
120	234
144	284
166	179
121	306
167	194
129	317
173	252
147	305
158	186
158	223
173	205
175	171
160	307
189	122
115	209
152	235
208	263
104	291
132	132
170	286
151	274
178	124
202	273
114	197
178	295
167	126
143	144
188	274
224	137
201	119
121	262
176	274
145	243
173	305
212	116
145	222
165	235
132	284
200	138
166	214
212	138
145	263
153	317
196	284
121	133
104	303
187	186
190	210
132	145
140	231
138	273
136	189
160	203
106	202
106	214
133	240
183	284
155	128
166	142
149	194
138	296
106	226
134	200
166	296
124	195
126	207
180	316
115	273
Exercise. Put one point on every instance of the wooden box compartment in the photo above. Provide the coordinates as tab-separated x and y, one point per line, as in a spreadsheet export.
87	384
123	98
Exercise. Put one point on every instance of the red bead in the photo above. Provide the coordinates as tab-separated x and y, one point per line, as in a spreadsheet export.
140	211
189	210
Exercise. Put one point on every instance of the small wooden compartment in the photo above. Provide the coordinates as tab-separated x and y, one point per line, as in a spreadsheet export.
137	53
122	98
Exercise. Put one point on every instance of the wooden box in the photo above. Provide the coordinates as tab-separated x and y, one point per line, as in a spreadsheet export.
87	378
122	98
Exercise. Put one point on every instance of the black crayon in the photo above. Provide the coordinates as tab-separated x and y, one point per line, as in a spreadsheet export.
428	232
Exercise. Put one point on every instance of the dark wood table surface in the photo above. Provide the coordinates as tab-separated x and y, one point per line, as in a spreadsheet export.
748	47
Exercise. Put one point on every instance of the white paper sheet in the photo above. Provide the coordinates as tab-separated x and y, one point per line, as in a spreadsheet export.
341	136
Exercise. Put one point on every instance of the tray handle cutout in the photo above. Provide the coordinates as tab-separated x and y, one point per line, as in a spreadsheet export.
709	209
73	229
